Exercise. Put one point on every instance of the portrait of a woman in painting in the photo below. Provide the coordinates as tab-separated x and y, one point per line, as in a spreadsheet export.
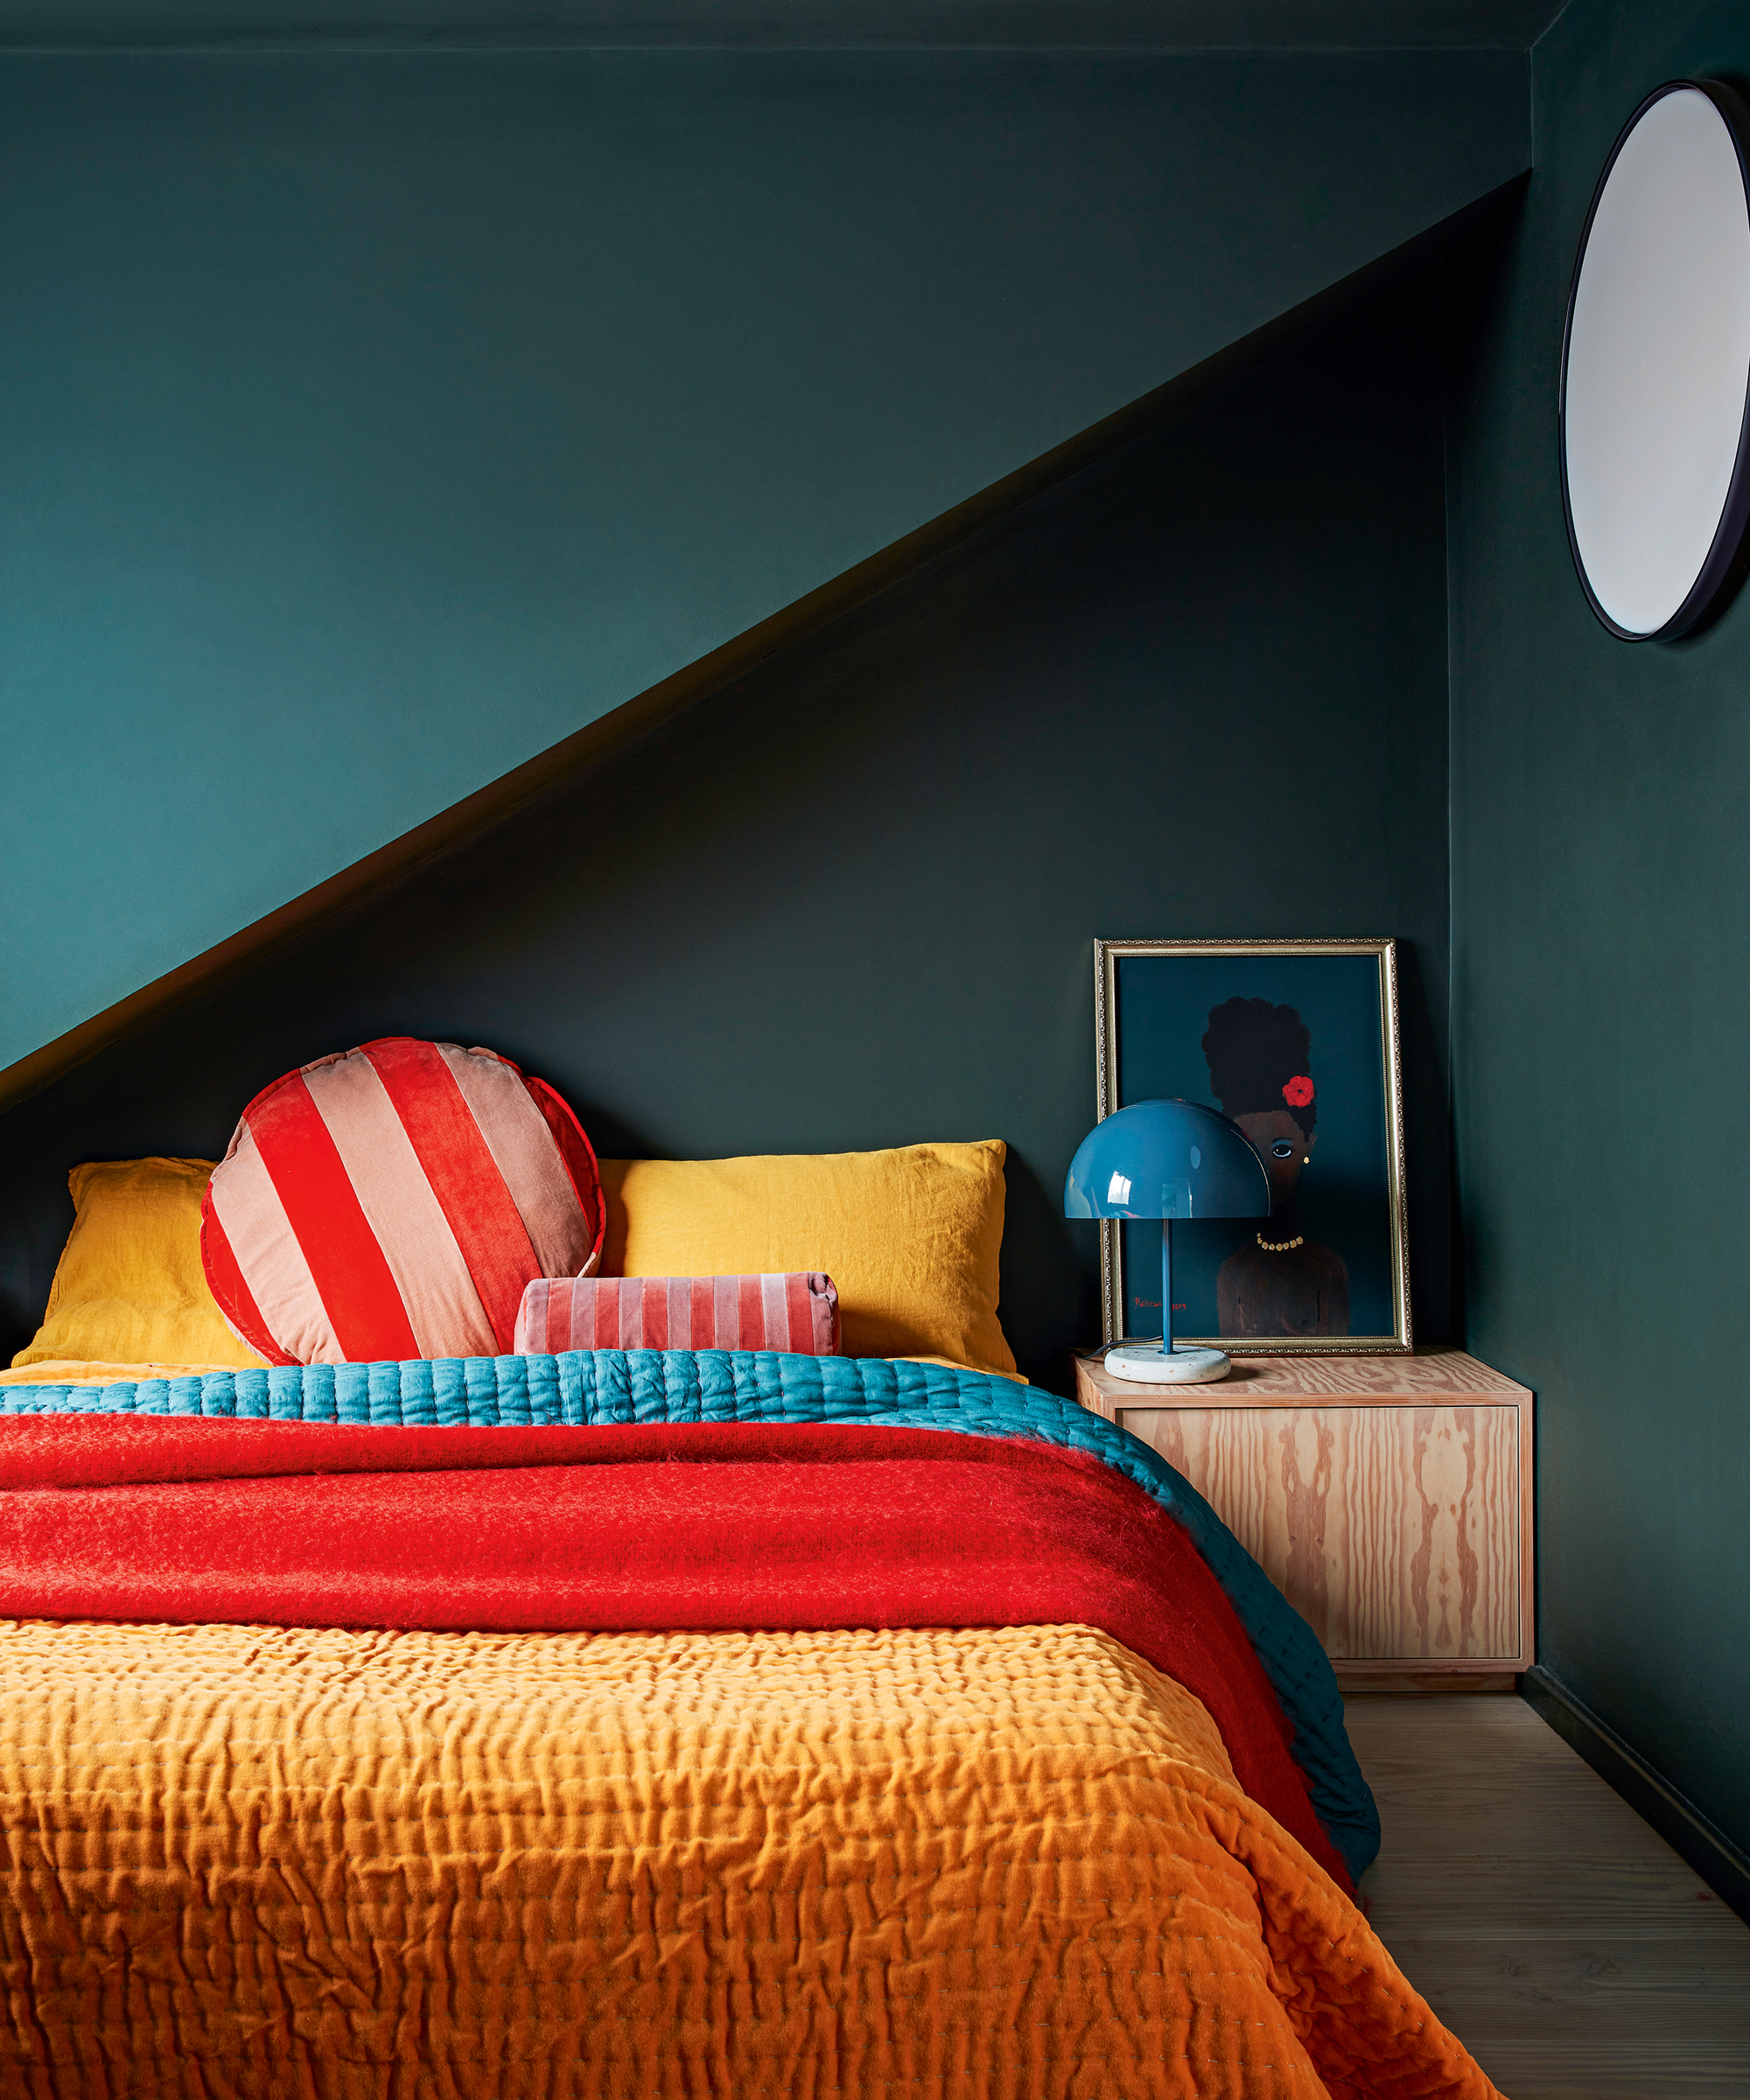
1297	1042
1279	1282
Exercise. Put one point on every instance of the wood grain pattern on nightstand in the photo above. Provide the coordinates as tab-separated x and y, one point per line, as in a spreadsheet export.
1386	1497
1306	1382
1429	1571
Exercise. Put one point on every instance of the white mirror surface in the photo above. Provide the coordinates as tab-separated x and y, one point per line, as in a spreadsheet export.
1658	361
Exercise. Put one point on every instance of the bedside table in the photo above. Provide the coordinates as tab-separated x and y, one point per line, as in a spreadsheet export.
1388	1498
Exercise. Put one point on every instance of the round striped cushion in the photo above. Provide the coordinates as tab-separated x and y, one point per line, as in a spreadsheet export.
392	1201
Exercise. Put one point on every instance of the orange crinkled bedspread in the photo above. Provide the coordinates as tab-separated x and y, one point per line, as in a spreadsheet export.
251	1861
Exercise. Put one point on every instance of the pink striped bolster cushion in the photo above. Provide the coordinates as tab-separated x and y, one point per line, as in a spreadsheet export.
392	1202
798	1314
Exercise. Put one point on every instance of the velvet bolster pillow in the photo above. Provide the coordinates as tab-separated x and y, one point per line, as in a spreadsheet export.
797	1313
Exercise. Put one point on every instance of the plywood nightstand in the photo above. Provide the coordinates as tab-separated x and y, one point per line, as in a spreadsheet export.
1388	1498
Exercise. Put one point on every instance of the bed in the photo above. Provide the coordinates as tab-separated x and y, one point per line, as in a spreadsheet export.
661	1723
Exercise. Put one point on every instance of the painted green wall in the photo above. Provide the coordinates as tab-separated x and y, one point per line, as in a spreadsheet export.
370	422
1200	690
1601	922
1112	25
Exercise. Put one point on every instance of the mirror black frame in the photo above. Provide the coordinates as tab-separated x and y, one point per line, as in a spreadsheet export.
1717	567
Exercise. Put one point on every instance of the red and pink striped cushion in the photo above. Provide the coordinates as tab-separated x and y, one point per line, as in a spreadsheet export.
798	1314
392	1201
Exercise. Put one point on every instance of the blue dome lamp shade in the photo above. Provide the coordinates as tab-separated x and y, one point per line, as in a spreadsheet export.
1165	1159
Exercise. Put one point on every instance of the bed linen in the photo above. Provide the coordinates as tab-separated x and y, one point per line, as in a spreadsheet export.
923	1755
722	1386
912	1235
941	1861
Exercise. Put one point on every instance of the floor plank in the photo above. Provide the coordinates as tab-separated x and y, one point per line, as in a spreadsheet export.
1564	1942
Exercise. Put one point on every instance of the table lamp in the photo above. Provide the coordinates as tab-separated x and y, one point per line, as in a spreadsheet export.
1165	1159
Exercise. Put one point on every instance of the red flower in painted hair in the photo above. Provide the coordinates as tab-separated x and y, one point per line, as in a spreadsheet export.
1297	1092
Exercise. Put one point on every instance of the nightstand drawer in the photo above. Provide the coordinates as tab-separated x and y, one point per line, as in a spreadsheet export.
1388	1498
1394	1532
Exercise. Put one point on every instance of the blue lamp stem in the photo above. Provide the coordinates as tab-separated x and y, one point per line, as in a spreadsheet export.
1167	1287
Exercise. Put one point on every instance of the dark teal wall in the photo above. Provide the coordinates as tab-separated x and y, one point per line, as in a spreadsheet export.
1199	691
370	422
1601	919
1051	24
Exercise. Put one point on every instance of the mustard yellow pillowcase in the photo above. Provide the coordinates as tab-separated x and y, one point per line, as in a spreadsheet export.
911	1236
129	1290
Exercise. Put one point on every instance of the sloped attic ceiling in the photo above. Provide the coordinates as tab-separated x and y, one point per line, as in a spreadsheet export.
375	421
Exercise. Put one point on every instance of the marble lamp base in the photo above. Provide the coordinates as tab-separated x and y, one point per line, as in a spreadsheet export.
1147	1363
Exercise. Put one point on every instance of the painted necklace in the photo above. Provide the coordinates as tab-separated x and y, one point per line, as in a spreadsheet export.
1281	1246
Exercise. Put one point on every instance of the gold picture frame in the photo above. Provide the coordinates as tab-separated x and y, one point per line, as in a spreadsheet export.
1389	1266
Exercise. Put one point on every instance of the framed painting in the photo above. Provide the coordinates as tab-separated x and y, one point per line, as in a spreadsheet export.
1296	1042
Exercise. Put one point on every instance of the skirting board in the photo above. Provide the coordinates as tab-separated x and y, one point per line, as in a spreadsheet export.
1689	1833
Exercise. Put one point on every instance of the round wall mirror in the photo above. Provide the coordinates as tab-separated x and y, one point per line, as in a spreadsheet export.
1655	365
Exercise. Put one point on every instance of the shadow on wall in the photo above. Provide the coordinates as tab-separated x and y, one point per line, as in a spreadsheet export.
1199	690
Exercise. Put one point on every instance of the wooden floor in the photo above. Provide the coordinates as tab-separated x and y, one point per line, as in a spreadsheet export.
1567	1946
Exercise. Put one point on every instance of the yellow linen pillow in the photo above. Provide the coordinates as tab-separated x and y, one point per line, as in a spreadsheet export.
74	1370
129	1288
910	1237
